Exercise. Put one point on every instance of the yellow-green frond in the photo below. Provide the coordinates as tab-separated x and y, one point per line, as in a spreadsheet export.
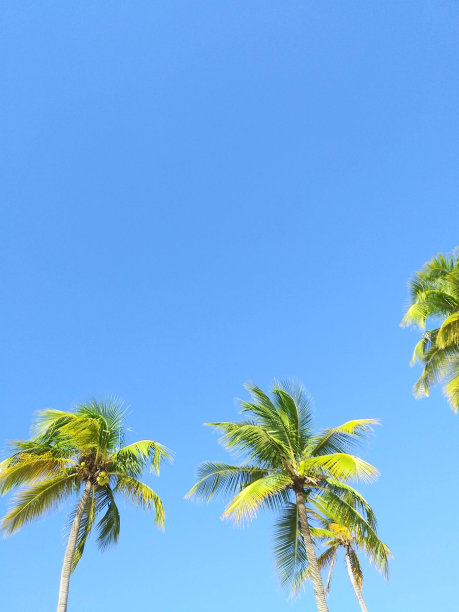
141	495
84	531
254	441
264	491
144	451
451	389
50	419
448	333
29	467
221	478
416	314
342	438
342	466
36	499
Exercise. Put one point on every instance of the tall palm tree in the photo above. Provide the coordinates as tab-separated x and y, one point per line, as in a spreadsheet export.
336	535
286	464
435	296
80	452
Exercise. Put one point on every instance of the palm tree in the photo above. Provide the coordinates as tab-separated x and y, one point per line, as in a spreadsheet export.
435	295
80	452
335	535
285	466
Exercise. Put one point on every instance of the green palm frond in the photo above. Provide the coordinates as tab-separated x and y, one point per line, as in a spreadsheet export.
254	441
109	413
342	511
143	452
339	465
289	549
437	366
85	528
427	341
109	524
432	303
49	421
37	499
448	334
319	533
267	491
451	388
341	523
343	438
222	478
346	499
68	431
286	416
141	495
28	467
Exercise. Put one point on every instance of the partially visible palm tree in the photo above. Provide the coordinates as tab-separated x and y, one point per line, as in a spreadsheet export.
286	465
435	296
83	453
335	535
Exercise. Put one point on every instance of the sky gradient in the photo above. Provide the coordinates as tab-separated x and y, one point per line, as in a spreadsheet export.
199	194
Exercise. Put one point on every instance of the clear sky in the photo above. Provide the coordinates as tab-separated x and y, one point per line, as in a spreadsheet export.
198	194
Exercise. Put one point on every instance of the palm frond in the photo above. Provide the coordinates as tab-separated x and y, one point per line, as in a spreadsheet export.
49	421
289	549
427	341
342	466
268	491
451	388
343	438
339	493
253	441
109	413
37	499
437	365
345	522
286	416
142	452
141	495
109	525
222	478
29	467
85	527
448	333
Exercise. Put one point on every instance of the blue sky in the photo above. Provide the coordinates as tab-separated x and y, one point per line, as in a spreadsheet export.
198	194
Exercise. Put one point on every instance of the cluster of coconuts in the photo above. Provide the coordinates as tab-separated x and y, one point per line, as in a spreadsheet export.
103	479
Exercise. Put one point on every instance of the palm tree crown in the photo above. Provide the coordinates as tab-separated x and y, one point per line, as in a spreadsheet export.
435	296
71	451
285	464
334	534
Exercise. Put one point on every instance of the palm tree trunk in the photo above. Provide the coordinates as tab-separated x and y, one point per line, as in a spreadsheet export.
357	589
70	550
316	578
